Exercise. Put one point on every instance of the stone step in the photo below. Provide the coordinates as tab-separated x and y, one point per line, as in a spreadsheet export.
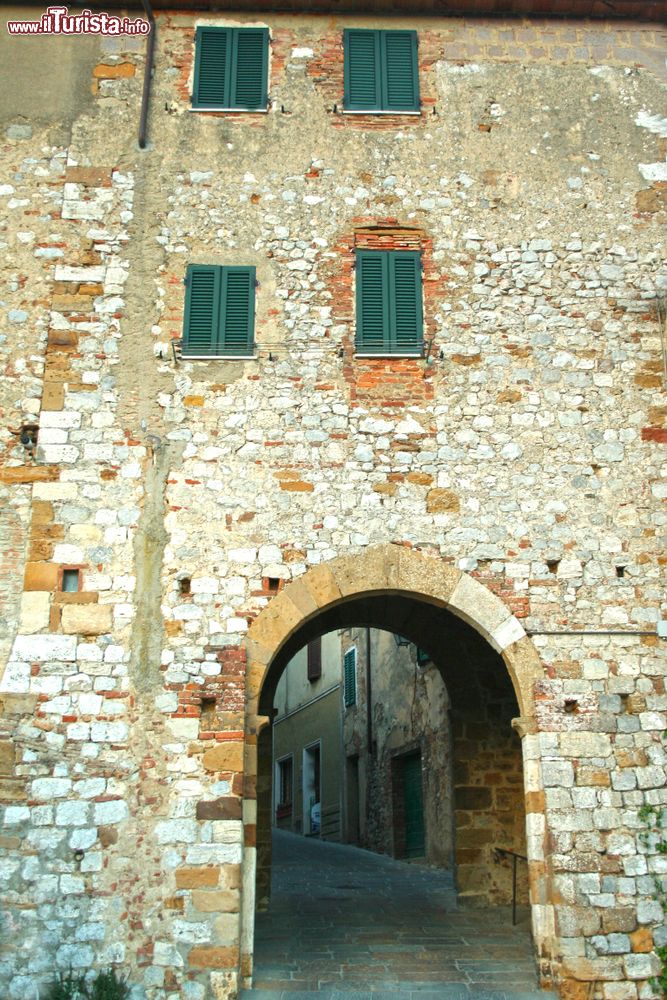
407	991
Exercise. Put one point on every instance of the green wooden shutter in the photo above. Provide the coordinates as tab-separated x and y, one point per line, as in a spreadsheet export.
381	70
372	302
231	68
250	68
389	302
400	74
201	333
238	310
350	677
212	68
405	295
362	85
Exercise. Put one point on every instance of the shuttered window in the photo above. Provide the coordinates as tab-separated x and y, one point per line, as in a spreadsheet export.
389	302
231	69
219	311
314	660
381	71
350	677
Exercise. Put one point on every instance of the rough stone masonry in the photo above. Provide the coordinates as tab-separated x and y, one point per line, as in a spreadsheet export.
211	509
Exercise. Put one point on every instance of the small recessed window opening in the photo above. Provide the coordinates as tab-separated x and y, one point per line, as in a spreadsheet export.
552	565
184	585
207	706
71	579
620	572
273	583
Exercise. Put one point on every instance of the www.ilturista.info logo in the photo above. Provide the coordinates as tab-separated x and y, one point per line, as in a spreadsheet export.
58	21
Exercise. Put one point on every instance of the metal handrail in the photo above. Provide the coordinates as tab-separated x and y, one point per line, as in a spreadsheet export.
503	851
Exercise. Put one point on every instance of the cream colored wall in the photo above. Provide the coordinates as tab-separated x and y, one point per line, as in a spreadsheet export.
295	690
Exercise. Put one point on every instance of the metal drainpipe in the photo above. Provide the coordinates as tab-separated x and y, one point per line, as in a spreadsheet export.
148	71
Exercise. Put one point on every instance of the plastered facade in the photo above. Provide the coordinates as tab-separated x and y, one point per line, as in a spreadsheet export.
517	470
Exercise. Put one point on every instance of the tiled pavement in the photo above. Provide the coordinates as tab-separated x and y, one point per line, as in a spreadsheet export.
345	924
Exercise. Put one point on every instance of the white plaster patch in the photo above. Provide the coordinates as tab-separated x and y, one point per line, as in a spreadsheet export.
654	171
654	123
40	648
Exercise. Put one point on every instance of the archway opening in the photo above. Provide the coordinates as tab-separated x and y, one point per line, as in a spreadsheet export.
458	746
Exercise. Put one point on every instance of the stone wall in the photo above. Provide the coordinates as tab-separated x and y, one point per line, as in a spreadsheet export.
525	450
409	710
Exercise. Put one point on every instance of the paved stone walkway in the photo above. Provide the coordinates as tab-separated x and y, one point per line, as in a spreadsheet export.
345	924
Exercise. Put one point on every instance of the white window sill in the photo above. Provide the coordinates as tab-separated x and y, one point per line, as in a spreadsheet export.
219	357
376	111
388	356
242	111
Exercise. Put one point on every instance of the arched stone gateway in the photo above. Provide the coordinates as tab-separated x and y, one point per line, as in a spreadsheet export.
414	593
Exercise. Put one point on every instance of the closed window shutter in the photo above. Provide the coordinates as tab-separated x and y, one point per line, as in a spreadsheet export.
314	656
231	68
238	310
406	302
212	68
389	302
350	677
250	68
400	76
362	70
202	310
372	302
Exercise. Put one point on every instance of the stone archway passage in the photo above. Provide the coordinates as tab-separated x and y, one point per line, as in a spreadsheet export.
391	586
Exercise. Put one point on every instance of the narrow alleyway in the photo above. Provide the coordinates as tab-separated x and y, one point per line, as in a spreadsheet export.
345	924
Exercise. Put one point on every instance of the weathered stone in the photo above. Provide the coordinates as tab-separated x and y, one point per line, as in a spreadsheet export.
211	901
87	619
440	501
212	958
224	757
195	878
224	808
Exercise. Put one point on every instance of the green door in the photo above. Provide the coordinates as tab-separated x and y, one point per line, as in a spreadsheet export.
414	806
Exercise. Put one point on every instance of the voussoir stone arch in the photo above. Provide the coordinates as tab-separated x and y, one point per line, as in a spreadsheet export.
391	569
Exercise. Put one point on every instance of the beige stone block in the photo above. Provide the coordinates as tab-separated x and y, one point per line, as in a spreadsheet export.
257	652
592	969
205	957
35	610
275	623
216	901
478	606
224	985
196	878
358	574
322	585
86	533
441	501
224	757
583	745
231	877
425	575
183	729
507	633
13	790
87	619
227	928
228	831
7	758
301	597
55	491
